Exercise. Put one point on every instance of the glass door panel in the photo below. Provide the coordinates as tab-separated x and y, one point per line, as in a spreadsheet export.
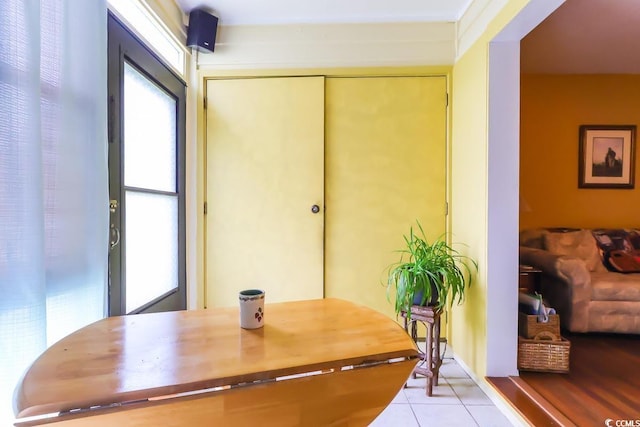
151	247
149	133
151	215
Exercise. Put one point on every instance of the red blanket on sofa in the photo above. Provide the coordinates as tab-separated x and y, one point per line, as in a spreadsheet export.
619	249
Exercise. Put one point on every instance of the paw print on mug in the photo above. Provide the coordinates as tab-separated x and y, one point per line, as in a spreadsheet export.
259	314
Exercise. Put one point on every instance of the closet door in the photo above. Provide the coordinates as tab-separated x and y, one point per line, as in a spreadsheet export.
386	166
264	175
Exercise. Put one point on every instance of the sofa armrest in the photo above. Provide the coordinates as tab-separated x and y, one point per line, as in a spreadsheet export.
570	269
566	285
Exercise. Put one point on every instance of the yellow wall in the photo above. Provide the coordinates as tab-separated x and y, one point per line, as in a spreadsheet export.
468	334
469	193
552	109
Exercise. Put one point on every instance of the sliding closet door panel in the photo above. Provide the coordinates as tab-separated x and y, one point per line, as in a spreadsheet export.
386	166
264	173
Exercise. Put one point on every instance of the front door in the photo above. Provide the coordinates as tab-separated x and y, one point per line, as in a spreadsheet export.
146	179
264	188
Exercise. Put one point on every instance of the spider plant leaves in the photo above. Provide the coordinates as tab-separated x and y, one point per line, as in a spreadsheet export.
429	267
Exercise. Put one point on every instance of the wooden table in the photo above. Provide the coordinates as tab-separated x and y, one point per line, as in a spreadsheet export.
318	362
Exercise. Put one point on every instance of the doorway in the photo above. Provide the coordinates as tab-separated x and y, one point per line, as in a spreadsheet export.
503	161
146	178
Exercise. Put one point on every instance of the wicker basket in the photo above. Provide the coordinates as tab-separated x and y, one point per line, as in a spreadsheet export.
543	355
529	327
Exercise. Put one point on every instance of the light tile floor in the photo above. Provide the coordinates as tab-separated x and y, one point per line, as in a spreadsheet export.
456	401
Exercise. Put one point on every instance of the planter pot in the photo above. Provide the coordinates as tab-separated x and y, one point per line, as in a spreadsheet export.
417	298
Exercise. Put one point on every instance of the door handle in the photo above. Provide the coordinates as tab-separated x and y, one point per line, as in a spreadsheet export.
115	237
315	209
114	240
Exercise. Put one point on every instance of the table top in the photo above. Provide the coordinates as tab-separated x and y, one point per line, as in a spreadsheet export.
128	358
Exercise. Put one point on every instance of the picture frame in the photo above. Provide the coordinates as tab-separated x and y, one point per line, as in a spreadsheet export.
606	156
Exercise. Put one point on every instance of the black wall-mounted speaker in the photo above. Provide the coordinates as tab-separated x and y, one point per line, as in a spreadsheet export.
201	33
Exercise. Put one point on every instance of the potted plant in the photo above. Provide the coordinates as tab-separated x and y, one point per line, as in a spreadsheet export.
429	273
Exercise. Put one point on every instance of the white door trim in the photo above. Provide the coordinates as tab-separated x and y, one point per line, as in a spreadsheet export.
503	186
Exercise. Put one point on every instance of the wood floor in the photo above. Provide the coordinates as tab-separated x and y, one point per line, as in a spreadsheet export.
603	383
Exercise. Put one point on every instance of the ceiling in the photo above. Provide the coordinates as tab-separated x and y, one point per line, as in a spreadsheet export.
581	36
248	12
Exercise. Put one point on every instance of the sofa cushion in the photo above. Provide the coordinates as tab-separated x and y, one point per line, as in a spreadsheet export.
615	287
580	244
532	238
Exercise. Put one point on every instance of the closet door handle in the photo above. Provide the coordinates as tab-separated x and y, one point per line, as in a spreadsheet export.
315	209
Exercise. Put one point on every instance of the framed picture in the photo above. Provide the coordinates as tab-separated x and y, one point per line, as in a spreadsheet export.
607	156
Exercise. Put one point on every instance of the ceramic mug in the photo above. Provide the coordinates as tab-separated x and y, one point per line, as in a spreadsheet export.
251	309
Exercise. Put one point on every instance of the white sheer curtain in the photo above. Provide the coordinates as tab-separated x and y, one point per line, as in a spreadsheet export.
53	177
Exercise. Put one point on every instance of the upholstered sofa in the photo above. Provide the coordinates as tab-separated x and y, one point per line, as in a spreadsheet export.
587	296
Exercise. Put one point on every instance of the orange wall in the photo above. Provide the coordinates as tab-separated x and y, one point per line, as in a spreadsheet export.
552	109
